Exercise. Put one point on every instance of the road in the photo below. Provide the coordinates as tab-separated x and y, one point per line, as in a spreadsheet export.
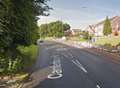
80	69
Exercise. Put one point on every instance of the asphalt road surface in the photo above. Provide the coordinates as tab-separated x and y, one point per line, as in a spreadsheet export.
80	69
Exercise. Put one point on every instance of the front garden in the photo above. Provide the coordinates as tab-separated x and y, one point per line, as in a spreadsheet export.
111	44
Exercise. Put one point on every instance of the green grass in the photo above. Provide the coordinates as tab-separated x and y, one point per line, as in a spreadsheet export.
108	40
49	38
30	53
76	38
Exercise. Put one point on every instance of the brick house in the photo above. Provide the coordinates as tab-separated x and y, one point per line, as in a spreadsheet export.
97	29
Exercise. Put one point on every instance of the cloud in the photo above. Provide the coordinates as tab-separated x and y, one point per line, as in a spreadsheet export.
78	18
46	19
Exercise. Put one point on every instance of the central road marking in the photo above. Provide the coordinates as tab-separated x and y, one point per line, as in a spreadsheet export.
53	47
61	49
68	55
57	69
57	65
76	62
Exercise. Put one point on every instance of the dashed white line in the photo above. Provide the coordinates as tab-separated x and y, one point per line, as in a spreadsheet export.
98	86
68	55
81	66
76	62
61	49
57	69
71	55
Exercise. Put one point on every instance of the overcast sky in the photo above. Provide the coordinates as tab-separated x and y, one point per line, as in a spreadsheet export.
80	13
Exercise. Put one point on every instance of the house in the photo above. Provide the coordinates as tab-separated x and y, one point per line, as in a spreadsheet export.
76	31
97	29
72	32
68	33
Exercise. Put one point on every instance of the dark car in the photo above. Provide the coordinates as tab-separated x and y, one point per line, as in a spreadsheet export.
41	41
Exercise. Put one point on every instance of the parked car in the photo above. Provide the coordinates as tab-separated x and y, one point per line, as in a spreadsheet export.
39	41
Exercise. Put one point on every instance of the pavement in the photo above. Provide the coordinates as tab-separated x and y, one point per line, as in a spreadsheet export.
79	68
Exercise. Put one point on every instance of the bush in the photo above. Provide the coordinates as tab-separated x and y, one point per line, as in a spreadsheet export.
22	61
9	65
107	45
118	45
3	64
29	53
86	35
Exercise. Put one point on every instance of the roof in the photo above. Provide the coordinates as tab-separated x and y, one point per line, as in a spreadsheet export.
76	30
114	21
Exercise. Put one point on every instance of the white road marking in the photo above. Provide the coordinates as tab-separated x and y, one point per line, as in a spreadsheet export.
68	55
52	47
61	49
57	65
98	86
76	62
57	69
71	55
51	76
81	66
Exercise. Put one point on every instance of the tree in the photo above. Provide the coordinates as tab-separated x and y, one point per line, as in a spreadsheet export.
43	31
18	24
54	29
107	27
85	35
66	27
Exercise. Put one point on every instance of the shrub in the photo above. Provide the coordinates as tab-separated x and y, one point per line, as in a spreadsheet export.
86	35
23	60
118	44
29	53
108	46
15	65
9	65
3	64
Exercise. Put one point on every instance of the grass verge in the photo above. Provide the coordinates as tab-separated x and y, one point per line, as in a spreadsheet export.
108	40
30	54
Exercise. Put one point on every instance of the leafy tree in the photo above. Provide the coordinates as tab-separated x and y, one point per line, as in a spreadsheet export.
54	29
18	25
107	27
43	30
66	27
86	35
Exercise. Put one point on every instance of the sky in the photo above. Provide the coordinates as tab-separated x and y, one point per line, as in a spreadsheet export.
81	13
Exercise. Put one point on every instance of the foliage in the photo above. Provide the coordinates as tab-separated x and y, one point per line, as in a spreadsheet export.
29	52
107	27
85	35
14	65
18	26
76	38
108	40
107	46
7	65
66	26
53	29
118	44
3	64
